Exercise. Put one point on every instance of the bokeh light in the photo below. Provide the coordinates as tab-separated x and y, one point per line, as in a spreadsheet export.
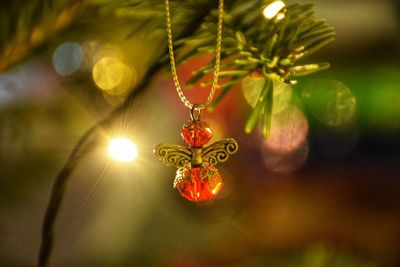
282	96
252	86
113	76
289	130
90	47
330	101
101	50
67	58
129	78
274	10
9	87
285	161
122	149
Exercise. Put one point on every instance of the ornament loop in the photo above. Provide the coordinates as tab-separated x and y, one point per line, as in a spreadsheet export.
193	115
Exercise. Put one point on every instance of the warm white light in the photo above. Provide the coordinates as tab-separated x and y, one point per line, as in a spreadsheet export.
122	149
273	9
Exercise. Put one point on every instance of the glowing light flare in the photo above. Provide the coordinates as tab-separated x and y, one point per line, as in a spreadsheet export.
122	149
67	58
289	130
280	16
274	10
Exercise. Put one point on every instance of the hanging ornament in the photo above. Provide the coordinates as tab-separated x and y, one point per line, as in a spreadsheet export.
196	179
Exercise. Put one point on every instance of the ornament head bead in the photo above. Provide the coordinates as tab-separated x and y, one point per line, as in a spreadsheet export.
196	133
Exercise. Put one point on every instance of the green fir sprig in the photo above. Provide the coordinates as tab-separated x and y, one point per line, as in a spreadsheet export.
255	44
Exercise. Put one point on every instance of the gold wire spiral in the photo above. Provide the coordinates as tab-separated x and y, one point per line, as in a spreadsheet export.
214	86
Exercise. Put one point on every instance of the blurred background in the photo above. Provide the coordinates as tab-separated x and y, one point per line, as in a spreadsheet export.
323	190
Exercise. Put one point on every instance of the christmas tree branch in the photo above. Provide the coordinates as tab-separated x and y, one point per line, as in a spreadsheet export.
83	146
57	195
25	26
265	47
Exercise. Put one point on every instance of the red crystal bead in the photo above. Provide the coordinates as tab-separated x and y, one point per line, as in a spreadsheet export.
198	183
196	133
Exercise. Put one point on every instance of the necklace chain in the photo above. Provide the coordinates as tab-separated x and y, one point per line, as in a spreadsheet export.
214	86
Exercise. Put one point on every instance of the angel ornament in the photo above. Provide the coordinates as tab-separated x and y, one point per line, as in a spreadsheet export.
196	178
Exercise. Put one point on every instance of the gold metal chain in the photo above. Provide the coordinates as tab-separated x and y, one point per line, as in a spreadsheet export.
198	106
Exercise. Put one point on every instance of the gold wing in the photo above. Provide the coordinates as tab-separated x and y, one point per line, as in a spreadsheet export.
219	151
173	154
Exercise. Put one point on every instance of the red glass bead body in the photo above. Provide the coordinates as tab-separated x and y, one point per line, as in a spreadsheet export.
198	183
196	133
